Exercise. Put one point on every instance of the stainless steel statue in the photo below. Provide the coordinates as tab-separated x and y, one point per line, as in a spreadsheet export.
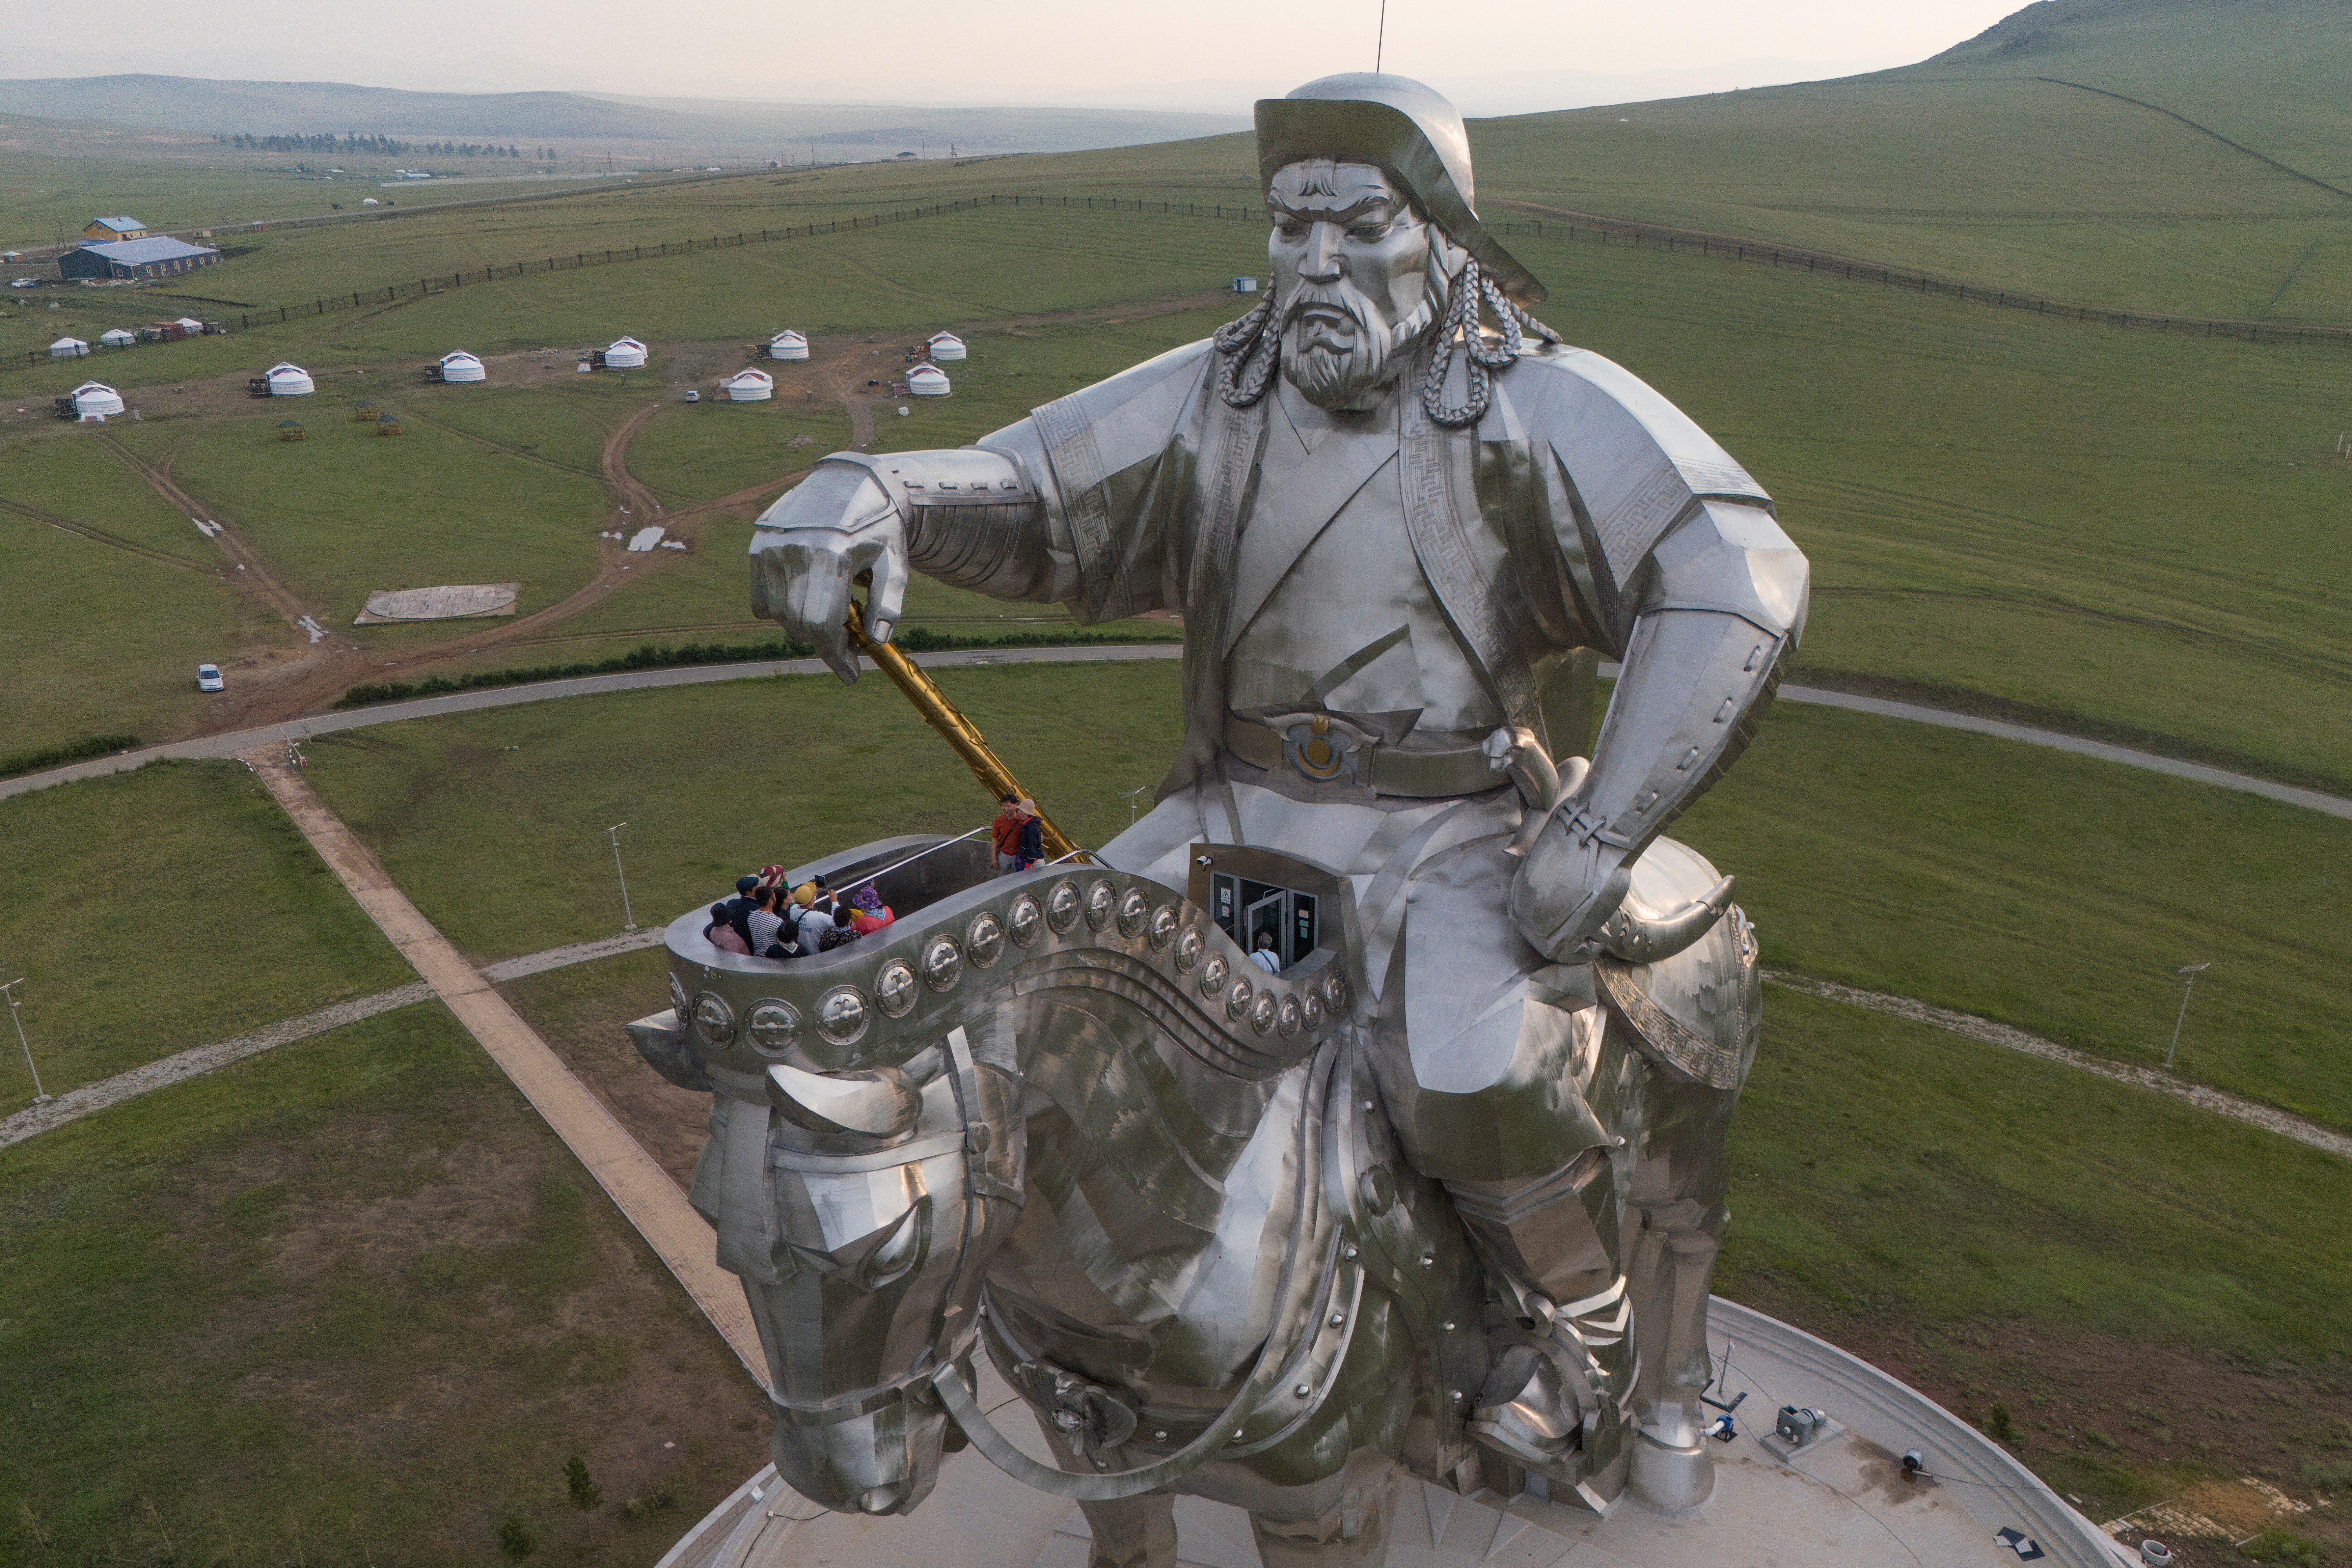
1443	1193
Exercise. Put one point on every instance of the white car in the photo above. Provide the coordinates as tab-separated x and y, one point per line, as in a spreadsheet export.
23	283
208	677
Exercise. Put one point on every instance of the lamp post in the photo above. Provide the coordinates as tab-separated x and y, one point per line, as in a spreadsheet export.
2187	983
614	833
40	1096
1128	795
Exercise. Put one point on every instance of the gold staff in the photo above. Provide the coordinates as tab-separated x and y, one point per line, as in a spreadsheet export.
958	731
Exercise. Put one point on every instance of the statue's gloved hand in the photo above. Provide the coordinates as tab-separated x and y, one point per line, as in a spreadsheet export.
811	547
1567	885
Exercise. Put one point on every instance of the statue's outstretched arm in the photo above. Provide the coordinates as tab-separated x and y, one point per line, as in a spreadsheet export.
970	516
1722	601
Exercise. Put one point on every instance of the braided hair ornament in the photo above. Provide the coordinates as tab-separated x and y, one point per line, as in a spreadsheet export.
1251	348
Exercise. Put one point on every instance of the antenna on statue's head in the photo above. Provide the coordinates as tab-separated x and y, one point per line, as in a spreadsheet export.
1380	44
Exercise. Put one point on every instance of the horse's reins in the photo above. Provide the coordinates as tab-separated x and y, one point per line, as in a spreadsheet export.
1291	1326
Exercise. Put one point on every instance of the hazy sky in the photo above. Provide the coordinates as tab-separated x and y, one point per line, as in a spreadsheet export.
1196	52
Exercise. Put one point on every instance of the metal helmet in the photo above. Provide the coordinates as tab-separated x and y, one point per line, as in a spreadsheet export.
1412	134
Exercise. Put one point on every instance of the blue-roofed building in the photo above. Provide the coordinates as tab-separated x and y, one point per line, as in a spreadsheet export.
113	228
158	258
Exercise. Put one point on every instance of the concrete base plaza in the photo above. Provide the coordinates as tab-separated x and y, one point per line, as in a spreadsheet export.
1843	1501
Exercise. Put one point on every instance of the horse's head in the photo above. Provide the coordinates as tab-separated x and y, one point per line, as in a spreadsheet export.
864	1262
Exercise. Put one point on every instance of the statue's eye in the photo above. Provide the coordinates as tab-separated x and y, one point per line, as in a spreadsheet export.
1370	232
1291	230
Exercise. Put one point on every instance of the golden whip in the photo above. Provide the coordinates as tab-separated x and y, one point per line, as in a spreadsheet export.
958	731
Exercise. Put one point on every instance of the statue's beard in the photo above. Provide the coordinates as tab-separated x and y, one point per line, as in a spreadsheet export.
1339	346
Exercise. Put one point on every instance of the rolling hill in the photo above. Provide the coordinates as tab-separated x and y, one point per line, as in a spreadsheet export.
678	126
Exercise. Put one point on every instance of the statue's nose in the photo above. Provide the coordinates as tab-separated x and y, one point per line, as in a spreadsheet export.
1324	261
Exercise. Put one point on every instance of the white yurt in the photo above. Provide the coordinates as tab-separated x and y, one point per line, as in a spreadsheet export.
927	381
626	354
118	338
290	381
461	366
94	397
788	344
946	346
191	326
748	386
68	348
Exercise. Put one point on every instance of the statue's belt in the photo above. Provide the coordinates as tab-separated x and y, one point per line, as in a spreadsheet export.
1324	748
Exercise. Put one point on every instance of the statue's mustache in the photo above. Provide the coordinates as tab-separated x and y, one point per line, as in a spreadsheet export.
1338	313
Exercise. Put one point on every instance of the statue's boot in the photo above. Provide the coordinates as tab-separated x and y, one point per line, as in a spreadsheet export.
1351	1531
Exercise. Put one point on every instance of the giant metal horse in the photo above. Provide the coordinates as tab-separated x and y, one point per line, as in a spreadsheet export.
1443	1194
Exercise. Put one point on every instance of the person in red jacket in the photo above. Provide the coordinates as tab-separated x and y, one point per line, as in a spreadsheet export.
869	913
1005	834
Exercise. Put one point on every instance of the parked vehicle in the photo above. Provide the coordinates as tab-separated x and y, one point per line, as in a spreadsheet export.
208	677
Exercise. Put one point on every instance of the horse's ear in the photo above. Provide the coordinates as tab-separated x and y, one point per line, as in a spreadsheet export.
877	1102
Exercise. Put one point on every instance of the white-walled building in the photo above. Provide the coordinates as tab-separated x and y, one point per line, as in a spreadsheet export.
290	381
927	381
748	386
68	348
96	400
788	344
946	346
627	353
461	366
118	338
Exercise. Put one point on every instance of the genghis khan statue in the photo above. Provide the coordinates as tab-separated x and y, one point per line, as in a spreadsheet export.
1402	522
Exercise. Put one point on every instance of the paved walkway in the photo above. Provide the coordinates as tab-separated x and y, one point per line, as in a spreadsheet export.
239	740
229	745
197	1060
640	1189
2202	1096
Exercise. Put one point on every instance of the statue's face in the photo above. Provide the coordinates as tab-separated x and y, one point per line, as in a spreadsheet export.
1352	277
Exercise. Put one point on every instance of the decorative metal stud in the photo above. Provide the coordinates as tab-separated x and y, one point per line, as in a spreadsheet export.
677	1000
1102	900
1287	1016
983	940
1237	998
1024	919
1162	929
1189	949
1212	974
942	963
1335	992
1131	910
894	988
714	1020
1063	907
1311	1011
841	1015
774	1027
1262	1011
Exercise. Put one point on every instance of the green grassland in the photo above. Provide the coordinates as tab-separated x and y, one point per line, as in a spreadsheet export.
1971	484
1929	863
700	451
99	637
349	1303
163	909
563	429
2054	891
713	781
2111	525
347	511
1924	1197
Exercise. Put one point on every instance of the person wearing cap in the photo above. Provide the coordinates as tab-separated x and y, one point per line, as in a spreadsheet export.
740	907
1404	522
1030	850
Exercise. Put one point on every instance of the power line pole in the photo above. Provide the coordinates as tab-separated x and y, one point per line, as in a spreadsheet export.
614	833
2187	983
40	1096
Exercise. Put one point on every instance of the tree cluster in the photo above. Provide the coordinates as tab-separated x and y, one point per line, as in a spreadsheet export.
327	142
469	150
